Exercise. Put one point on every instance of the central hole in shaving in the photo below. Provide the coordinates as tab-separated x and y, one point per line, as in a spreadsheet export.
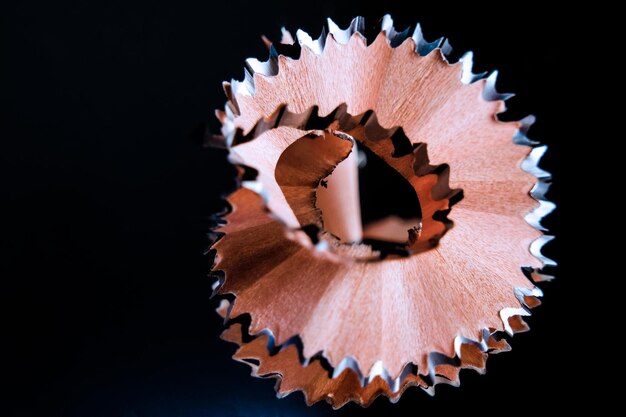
366	200
343	193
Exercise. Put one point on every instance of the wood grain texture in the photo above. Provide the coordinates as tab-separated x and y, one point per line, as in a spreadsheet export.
316	382
313	379
289	183
398	311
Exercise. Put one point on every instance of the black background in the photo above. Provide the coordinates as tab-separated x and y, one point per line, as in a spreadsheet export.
107	192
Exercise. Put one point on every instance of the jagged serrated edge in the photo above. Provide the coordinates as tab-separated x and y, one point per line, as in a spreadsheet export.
282	117
529	164
270	67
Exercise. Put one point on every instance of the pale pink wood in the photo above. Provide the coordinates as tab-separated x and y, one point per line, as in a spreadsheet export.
396	311
400	310
339	200
424	95
390	229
